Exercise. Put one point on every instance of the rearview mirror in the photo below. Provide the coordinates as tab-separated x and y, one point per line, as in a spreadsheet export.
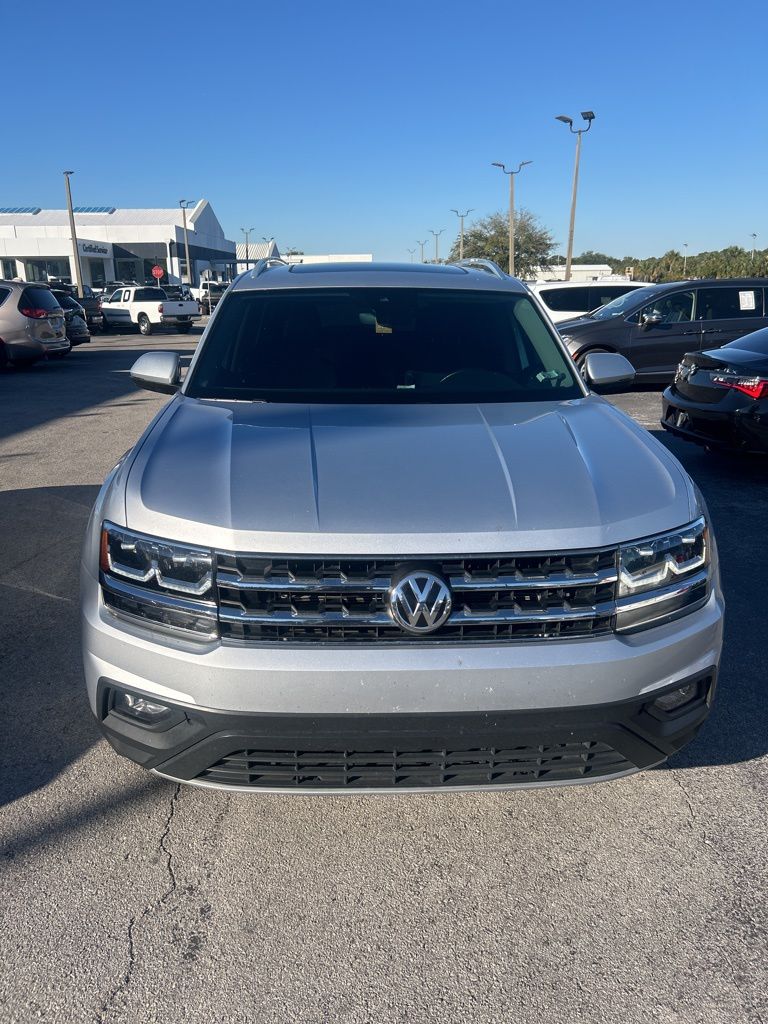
157	371
651	319
607	371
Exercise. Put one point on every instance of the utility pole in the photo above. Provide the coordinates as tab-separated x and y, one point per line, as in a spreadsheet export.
685	258
184	203
411	251
437	235
511	231
422	244
78	268
247	233
754	237
461	217
589	117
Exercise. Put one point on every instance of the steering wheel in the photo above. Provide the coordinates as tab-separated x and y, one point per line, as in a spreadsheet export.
471	377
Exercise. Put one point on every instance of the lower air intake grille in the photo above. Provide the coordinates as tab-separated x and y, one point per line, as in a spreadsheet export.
393	769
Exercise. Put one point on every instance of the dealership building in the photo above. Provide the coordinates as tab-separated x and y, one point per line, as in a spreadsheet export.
114	244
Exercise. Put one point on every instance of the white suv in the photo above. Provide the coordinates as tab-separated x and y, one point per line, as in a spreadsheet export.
565	300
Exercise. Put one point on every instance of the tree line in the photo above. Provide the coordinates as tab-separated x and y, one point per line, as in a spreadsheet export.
535	245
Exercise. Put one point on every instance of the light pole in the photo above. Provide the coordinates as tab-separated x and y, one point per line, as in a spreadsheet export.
685	258
78	268
512	210
184	203
461	217
247	233
412	252
754	237
589	117
422	244
437	235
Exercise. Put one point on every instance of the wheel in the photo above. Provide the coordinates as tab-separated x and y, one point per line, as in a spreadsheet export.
4	363
581	359
184	328
145	327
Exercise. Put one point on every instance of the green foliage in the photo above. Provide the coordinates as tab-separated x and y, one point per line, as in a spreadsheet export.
732	261
488	239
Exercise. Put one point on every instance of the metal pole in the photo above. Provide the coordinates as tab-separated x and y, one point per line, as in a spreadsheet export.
78	268
437	235
685	257
190	275
754	236
422	244
412	252
512	225
569	256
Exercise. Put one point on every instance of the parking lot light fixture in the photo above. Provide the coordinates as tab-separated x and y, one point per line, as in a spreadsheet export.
437	235
412	252
685	258
589	117
511	239
247	233
754	237
461	217
76	251
184	204
422	244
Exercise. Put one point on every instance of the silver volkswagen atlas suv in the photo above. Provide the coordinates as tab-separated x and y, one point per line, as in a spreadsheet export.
384	537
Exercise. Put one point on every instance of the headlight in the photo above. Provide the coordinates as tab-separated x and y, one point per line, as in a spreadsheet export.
160	582
663	577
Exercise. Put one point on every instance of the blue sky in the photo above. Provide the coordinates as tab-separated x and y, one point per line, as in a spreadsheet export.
356	127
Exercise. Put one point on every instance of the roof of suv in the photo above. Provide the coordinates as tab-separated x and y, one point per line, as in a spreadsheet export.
368	275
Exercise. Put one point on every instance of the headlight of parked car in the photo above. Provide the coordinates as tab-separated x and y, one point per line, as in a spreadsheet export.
157	582
663	577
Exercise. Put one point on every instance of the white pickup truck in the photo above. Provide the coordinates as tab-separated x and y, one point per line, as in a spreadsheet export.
208	294
148	307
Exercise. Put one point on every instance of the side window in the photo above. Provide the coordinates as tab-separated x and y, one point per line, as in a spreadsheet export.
115	296
4	293
126	295
676	308
600	294
729	303
563	299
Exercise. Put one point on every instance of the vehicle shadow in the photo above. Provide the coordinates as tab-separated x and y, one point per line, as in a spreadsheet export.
46	722
87	378
735	488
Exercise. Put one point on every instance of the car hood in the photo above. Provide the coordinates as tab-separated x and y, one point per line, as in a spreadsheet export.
584	323
402	479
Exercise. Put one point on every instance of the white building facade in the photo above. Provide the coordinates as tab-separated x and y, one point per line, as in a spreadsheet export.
114	244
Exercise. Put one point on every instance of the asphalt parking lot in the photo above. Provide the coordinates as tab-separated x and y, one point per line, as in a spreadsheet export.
124	898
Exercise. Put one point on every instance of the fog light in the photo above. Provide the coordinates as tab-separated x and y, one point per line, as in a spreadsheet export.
139	707
676	698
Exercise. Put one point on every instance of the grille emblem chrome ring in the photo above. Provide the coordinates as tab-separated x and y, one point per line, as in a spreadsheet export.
420	602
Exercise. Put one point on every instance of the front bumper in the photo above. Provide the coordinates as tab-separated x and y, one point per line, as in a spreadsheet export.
442	700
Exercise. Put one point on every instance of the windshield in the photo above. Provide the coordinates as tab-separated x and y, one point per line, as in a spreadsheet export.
625	303
380	345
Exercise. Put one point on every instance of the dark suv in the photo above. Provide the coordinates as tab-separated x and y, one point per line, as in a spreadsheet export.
655	326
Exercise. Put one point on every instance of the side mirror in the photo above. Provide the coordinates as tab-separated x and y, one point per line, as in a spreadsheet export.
607	371
157	371
651	319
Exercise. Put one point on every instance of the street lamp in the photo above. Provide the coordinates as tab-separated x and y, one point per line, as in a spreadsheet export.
184	204
437	235
411	251
461	217
685	258
422	244
247	233
754	236
589	117
512	209
78	268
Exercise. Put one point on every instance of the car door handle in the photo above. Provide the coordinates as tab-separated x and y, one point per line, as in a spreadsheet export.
690	332
713	330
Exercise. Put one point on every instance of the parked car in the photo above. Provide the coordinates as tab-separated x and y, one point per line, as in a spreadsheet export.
148	308
719	397
566	300
208	294
384	537
177	291
74	316
655	326
31	323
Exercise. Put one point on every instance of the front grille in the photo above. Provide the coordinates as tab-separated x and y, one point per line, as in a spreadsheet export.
392	769
495	598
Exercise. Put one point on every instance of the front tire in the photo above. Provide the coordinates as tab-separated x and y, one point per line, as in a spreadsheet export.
145	327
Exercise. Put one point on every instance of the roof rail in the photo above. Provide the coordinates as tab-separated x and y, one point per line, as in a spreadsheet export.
475	263
271	261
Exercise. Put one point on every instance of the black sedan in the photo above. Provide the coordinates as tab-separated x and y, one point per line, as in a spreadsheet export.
75	318
720	396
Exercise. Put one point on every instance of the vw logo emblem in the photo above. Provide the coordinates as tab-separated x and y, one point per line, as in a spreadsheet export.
420	602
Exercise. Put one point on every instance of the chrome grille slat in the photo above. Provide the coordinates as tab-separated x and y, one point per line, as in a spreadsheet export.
269	599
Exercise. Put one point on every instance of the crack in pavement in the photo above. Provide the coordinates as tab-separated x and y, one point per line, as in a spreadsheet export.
124	983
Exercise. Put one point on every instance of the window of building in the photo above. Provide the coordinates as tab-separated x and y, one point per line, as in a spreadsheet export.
41	270
9	270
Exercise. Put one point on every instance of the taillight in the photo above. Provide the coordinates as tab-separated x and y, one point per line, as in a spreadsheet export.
38	314
160	308
753	387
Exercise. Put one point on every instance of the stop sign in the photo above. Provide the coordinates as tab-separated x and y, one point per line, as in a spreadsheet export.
157	273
